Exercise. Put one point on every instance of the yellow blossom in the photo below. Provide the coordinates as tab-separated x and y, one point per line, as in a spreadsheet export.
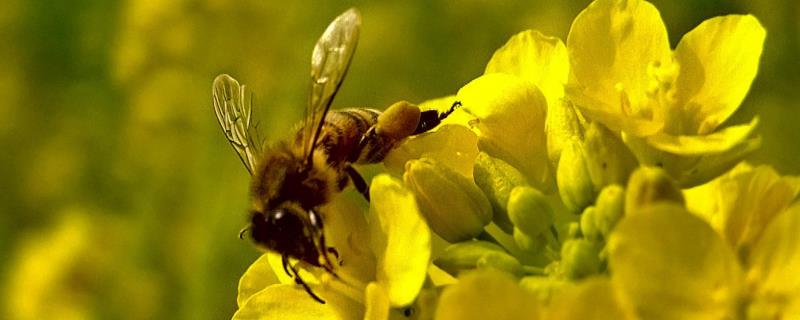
741	203
668	105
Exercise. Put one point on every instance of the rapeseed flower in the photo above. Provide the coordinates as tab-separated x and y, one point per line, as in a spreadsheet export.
555	191
668	105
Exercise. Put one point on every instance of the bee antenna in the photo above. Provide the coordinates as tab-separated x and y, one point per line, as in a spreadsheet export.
244	230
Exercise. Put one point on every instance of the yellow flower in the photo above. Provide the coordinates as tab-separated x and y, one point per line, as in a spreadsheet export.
487	294
510	117
671	264
741	203
668	105
542	61
385	257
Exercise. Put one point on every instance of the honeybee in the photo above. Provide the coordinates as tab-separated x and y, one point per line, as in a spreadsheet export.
293	179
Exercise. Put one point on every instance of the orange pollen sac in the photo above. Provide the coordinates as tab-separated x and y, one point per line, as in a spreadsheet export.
399	120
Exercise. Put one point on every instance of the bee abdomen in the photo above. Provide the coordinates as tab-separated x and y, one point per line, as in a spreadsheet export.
342	131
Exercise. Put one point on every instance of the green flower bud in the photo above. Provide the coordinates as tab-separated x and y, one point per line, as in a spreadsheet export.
609	208
579	258
572	176
589	227
497	178
529	210
471	254
649	185
608	160
500	261
573	230
543	287
452	204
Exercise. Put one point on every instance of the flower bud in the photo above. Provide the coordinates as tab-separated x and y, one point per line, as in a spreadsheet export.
609	208
501	261
589	227
452	204
529	210
544	287
608	160
572	176
468	255
649	185
579	258
497	178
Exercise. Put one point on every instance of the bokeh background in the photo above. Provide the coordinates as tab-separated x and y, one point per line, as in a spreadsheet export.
119	197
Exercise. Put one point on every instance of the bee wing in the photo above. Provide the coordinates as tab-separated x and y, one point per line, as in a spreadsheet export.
329	63
232	105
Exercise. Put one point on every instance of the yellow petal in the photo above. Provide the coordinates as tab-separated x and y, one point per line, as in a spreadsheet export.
400	239
286	301
691	170
672	265
718	61
573	302
511	116
377	302
487	294
775	259
455	146
612	45
537	58
257	277
692	145
747	200
616	119
346	230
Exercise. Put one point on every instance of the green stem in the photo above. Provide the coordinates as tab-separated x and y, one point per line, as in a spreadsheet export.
485	236
533	271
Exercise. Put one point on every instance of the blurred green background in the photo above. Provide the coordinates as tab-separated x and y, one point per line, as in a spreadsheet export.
119	197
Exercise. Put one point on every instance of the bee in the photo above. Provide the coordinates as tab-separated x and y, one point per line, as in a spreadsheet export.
293	179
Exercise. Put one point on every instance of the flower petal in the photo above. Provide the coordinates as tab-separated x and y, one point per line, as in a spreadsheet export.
747	200
573	302
537	58
511	116
400	239
612	46
692	145
377	302
718	62
289	301
453	145
672	265
487	294
692	170
257	277
775	259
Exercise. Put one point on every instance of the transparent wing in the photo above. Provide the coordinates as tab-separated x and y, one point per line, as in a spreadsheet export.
329	63
232	105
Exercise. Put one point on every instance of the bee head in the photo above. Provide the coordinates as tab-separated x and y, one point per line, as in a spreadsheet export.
290	231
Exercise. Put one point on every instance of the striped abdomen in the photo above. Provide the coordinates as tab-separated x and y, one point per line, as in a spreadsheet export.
342	130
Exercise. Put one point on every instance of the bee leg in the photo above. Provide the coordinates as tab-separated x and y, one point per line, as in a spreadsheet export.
325	261
299	280
358	181
429	119
285	263
335	253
